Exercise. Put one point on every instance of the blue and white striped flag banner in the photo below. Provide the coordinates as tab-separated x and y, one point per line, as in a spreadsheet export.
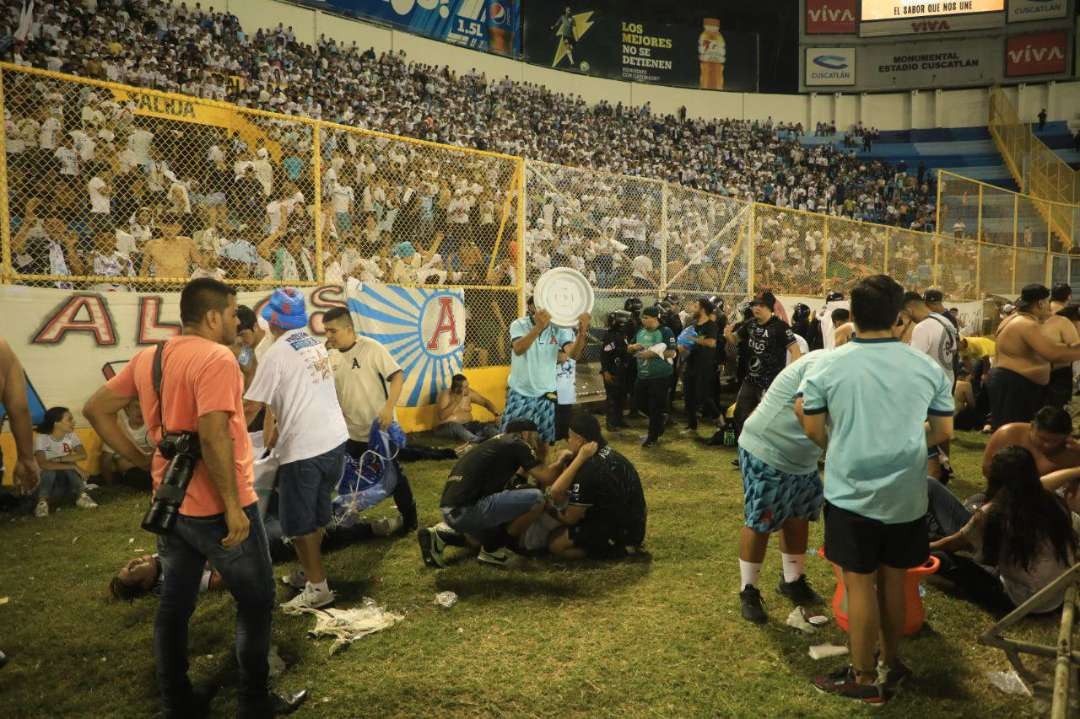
424	330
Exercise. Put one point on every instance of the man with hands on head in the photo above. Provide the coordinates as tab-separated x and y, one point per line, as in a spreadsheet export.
201	388
531	386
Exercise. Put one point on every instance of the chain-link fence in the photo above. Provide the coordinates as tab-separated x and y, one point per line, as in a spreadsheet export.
115	188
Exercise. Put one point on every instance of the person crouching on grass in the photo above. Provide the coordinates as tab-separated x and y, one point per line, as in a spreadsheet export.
480	502
782	491
876	493
605	512
58	451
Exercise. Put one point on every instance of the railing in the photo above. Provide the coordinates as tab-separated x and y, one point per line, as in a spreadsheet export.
1036	168
110	187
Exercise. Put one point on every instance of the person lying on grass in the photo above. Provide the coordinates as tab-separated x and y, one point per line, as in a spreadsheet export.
1022	539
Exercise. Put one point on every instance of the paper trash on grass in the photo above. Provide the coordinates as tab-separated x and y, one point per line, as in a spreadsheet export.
824	651
446	599
1009	682
797	619
348	625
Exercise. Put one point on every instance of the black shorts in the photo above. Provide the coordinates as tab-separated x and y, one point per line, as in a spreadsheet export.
599	539
860	544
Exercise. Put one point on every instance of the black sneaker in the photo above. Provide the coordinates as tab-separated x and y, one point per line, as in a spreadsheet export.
753	608
799	591
842	683
431	547
891	678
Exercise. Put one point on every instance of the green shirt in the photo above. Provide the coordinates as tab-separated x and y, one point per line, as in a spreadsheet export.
655	367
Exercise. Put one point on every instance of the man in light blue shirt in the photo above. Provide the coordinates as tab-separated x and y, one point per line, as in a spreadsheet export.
782	491
876	394
531	387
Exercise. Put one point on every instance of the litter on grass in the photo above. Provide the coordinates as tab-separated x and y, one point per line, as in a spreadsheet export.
446	599
798	619
824	651
348	625
1008	682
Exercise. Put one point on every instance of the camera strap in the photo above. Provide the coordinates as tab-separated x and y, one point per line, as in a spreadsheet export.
156	374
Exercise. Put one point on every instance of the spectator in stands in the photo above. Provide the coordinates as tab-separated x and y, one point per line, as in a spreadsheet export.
58	451
170	255
455	416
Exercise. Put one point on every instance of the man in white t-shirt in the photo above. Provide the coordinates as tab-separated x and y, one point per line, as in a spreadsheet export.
295	381
934	334
100	190
834	301
369	383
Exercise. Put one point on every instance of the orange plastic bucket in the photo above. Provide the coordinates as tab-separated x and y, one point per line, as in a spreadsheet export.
914	614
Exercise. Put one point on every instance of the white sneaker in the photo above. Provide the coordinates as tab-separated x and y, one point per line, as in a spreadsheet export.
385	526
309	598
84	502
42	509
296	579
499	558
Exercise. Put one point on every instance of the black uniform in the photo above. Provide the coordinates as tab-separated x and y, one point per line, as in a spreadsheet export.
614	360
609	487
699	376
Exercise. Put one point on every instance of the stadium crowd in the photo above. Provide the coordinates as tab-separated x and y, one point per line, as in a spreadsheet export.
392	211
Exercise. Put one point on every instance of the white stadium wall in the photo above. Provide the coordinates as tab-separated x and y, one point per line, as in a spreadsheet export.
885	110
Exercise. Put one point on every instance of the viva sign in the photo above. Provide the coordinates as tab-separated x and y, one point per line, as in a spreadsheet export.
1041	53
830	17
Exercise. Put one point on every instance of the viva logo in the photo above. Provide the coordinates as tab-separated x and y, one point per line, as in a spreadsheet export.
828	14
1036	54
931	26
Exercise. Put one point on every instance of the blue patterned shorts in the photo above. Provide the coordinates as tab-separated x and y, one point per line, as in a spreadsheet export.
540	410
771	497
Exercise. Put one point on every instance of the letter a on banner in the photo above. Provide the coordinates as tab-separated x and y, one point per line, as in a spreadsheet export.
423	330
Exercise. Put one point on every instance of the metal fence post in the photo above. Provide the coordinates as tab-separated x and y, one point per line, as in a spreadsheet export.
6	271
521	247
316	148
665	238
1016	225
751	257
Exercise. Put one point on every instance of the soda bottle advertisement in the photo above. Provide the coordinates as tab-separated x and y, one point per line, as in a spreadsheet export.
490	25
593	37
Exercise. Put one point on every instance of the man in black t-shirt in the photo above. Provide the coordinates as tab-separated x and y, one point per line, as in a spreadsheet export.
700	368
769	341
479	501
606	512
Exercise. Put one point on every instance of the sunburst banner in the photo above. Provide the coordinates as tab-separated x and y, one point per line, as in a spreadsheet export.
424	330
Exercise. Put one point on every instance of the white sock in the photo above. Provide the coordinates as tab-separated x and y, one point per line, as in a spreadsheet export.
322	587
749	573
794	566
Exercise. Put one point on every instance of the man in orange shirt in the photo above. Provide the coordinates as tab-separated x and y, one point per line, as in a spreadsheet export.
218	521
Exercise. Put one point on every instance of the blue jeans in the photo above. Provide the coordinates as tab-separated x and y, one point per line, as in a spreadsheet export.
249	576
472	432
490	513
948	515
60	483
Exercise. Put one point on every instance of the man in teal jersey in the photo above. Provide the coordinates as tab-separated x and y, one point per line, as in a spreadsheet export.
653	346
875	394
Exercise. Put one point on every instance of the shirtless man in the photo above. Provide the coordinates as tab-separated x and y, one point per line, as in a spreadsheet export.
13	396
455	413
1060	296
1059	328
1046	437
172	255
1018	381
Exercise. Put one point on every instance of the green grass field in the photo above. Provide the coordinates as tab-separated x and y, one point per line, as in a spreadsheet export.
659	638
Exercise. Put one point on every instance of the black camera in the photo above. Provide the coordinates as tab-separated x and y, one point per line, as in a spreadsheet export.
182	450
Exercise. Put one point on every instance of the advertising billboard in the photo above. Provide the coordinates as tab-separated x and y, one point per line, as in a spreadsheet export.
1040	53
930	25
1029	10
489	25
929	64
830	17
830	66
912	9
595	37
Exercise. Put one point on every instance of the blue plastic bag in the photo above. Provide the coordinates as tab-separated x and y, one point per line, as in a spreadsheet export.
373	477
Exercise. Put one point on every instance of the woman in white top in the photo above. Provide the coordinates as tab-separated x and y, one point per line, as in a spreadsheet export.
57	450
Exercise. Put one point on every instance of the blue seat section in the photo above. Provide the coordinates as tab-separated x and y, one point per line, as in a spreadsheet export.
967	151
1057	137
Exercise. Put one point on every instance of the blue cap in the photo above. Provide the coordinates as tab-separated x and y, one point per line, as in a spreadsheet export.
285	310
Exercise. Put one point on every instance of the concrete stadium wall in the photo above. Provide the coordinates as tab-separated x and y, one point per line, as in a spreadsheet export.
886	111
